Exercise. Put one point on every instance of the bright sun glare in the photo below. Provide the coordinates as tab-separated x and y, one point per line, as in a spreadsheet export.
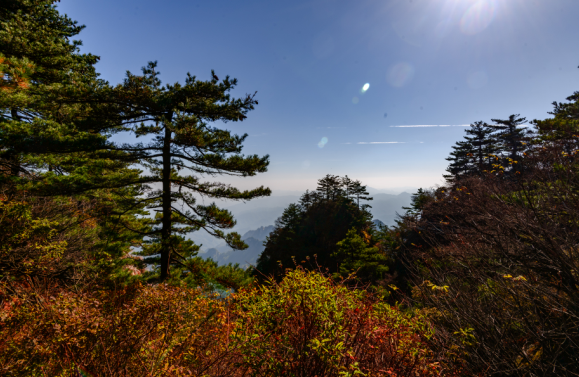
478	17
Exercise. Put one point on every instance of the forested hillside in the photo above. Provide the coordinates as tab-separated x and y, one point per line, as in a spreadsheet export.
99	275
263	212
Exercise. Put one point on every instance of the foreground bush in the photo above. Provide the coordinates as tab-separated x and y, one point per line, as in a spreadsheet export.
308	326
304	326
137	331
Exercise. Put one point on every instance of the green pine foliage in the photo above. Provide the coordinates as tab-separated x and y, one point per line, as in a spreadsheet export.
460	161
357	256
48	126
326	230
184	147
490	149
56	166
355	190
563	127
475	154
510	136
418	201
483	145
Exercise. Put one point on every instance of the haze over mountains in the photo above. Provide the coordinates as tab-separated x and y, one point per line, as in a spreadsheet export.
255	221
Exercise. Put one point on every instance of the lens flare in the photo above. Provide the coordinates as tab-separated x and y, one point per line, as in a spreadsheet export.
400	74
478	17
323	142
365	87
355	100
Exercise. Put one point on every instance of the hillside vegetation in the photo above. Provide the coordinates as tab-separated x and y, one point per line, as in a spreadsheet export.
99	277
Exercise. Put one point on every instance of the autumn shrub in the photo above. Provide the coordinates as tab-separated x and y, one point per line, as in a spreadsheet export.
306	325
499	268
134	331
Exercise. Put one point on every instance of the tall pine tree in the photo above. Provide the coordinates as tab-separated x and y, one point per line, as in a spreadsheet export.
511	140
475	154
460	161
355	190
330	187
483	145
184	148
564	126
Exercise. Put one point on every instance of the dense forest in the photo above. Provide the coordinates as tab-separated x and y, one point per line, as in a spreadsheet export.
98	277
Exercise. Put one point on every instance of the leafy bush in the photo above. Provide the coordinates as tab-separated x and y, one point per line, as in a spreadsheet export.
305	325
500	266
136	331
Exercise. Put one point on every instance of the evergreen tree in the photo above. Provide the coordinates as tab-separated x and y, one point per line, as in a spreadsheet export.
318	232
472	156
567	110
184	148
54	145
330	187
310	197
418	201
355	190
293	214
358	254
564	126
47	108
511	138
483	145
460	161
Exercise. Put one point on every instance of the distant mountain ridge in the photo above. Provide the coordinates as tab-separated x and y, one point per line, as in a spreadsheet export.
378	223
259	234
255	242
252	215
386	206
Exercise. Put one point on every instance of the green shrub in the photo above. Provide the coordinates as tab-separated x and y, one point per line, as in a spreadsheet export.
307	325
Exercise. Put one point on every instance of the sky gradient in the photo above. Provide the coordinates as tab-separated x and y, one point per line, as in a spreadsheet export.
376	90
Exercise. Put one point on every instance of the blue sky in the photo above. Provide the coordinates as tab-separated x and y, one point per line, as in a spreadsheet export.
427	63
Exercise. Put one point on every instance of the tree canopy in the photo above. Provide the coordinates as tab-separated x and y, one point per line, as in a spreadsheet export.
326	229
490	149
184	147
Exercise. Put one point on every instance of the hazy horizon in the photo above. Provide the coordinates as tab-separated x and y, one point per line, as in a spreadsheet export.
378	91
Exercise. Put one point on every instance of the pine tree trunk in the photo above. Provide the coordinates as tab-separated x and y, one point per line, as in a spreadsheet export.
166	229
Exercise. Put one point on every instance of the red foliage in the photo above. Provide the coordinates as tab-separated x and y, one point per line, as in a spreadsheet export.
169	331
